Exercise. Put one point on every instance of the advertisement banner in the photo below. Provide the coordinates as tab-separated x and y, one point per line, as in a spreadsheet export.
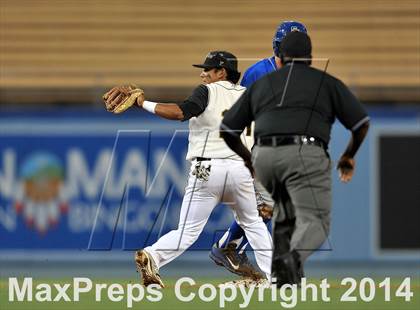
94	189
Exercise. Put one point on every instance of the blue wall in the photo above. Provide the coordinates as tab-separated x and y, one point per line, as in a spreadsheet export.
98	167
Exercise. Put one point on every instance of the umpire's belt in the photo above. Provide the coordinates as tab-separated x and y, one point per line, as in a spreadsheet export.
288	140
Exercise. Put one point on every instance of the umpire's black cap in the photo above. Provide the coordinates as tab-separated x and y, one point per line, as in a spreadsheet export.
220	59
296	45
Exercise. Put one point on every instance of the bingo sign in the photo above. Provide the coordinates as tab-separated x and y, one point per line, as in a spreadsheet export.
93	187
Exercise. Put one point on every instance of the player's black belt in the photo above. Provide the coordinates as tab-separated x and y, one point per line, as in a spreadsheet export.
202	158
288	140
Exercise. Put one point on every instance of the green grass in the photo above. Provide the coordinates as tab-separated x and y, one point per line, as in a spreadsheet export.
169	300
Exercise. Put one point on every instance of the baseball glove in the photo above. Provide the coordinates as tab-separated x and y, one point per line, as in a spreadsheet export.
120	98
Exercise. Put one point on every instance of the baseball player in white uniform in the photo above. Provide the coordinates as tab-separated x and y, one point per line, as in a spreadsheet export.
217	174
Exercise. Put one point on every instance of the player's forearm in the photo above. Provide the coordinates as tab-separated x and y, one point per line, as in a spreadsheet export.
235	144
356	140
169	111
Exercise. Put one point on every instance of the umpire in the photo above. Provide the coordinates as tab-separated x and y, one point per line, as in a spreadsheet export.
294	109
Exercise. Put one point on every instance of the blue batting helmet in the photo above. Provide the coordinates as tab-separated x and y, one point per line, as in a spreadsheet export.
282	30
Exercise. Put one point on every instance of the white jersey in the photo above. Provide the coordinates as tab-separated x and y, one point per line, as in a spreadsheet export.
224	178
204	137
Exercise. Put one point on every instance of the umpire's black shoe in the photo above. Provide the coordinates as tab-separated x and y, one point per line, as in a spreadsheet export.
287	268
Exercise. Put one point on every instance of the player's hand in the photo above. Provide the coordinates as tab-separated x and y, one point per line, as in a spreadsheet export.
345	168
265	211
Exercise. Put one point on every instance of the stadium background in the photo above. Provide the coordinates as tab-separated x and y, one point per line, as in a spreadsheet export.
60	157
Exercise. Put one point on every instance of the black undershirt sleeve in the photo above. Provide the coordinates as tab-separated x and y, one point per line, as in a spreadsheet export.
195	104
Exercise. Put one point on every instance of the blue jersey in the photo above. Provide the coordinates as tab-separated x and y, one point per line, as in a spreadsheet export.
258	70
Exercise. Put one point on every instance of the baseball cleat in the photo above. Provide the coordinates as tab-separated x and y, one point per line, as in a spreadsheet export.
234	262
146	265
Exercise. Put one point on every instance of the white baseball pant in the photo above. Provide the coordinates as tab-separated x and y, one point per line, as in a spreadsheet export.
229	182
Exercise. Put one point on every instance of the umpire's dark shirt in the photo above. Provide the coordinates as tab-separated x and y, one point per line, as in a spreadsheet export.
295	100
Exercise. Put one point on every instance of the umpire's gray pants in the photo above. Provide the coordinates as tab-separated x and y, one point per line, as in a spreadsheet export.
302	174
